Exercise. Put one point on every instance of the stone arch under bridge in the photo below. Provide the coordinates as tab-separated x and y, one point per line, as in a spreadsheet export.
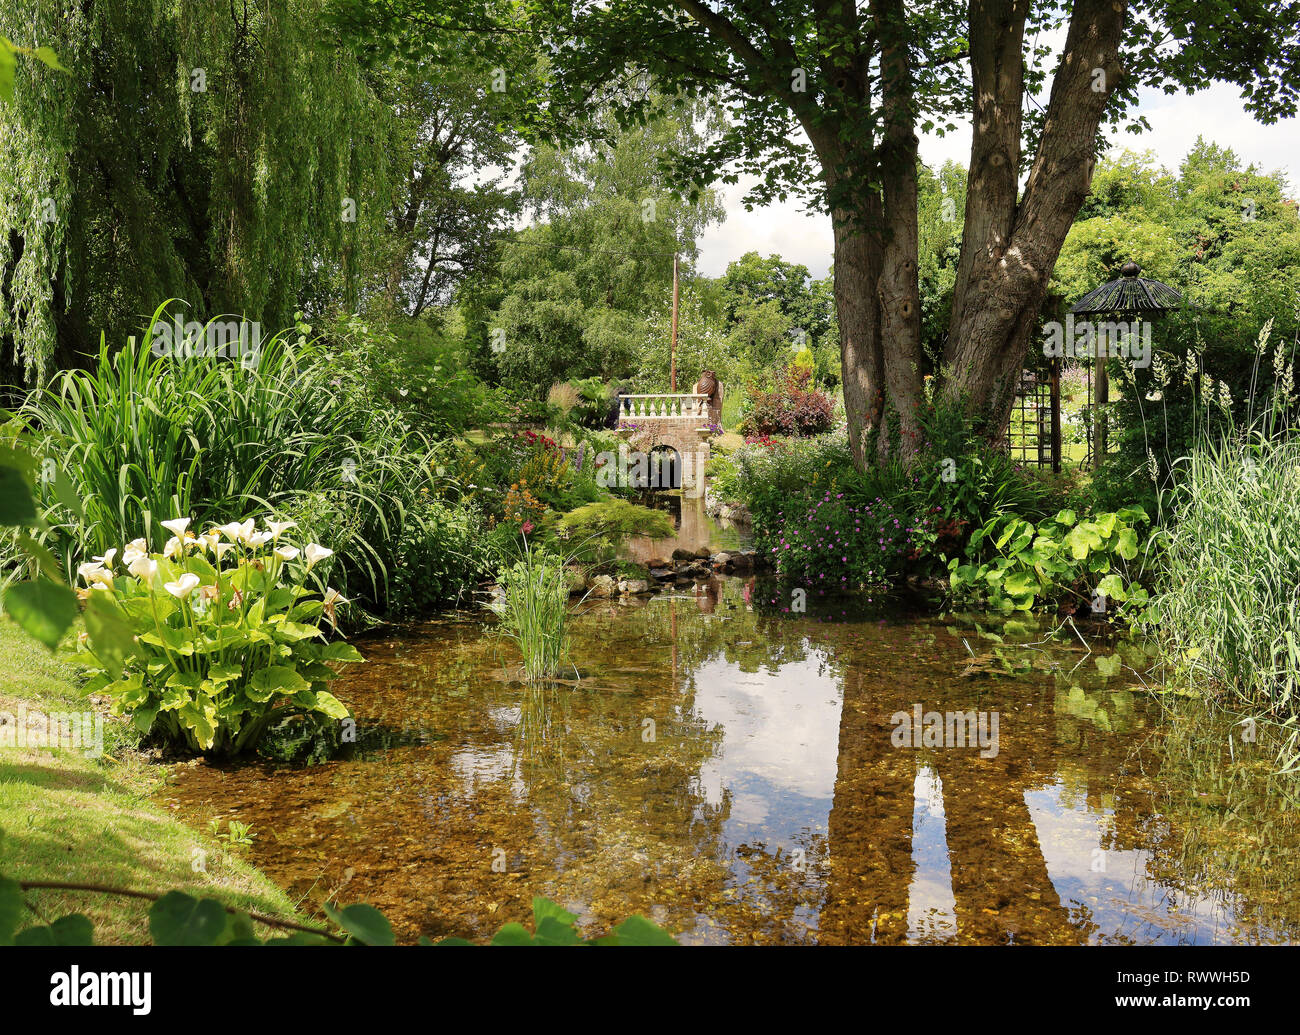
649	421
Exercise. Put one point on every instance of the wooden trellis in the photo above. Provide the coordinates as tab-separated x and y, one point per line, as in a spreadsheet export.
1033	435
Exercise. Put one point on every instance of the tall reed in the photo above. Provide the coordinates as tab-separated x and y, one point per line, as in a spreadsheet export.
1227	605
535	611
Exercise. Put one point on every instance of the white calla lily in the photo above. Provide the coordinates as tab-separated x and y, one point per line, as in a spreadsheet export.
144	568
183	586
95	574
135	549
278	528
260	539
315	552
177	526
173	548
107	559
286	553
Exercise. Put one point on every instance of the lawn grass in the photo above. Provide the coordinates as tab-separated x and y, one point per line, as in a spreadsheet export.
70	818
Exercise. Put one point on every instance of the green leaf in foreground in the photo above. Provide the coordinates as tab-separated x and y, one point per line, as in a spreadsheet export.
180	919
637	930
43	608
364	923
16	504
11	908
74	929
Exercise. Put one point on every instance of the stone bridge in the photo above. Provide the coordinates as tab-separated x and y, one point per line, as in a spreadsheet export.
653	425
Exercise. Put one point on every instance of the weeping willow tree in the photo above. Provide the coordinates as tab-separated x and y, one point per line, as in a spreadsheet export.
225	152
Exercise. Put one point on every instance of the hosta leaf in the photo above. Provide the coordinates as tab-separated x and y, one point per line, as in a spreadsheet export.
330	705
276	679
200	717
340	651
291	632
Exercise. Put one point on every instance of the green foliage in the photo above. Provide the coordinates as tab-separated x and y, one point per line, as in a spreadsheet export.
789	405
834	542
576	288
141	437
1064	562
240	203
1225	609
408	367
220	648
439	556
534	610
180	919
961	481
596	530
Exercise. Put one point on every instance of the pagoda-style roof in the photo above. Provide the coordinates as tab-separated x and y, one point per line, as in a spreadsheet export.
1130	294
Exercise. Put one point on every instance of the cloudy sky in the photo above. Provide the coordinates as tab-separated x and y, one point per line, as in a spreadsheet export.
1175	123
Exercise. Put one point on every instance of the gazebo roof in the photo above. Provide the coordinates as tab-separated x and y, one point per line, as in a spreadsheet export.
1130	294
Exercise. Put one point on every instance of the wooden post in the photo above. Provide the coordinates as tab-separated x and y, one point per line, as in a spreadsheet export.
1099	418
1054	384
672	368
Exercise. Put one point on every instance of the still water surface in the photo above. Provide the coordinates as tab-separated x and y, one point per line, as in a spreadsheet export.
731	770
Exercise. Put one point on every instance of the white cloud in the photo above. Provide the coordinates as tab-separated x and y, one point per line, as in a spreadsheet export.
1176	121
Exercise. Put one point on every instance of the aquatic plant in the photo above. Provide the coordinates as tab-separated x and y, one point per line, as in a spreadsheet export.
535	610
224	634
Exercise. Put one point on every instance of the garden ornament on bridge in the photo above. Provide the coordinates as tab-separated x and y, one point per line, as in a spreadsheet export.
708	385
1130	298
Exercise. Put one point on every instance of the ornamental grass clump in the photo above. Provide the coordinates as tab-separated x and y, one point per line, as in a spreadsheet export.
1227	606
226	635
535	611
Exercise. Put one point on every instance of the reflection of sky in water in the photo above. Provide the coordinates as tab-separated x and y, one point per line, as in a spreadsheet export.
1110	885
782	726
932	909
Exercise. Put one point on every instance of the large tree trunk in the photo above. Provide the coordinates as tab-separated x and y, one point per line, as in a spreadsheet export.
1010	244
857	273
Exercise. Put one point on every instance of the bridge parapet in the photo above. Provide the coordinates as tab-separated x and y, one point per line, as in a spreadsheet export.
675	421
637	408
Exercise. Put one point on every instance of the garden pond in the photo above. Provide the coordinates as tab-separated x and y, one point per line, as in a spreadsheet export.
743	773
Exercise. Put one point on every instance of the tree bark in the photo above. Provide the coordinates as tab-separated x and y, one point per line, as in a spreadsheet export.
1010	243
857	275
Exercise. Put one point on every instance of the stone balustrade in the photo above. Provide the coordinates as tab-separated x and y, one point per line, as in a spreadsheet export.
663	407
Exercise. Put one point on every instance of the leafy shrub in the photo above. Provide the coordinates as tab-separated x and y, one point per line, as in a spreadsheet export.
1064	561
411	368
222	648
963	481
585	403
596	530
832	542
142	436
442	552
790	407
767	477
